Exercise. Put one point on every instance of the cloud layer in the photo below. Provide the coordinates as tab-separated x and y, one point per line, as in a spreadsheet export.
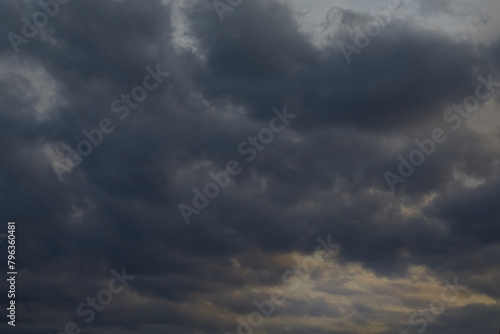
323	174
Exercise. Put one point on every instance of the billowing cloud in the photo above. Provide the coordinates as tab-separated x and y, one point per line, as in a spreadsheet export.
114	113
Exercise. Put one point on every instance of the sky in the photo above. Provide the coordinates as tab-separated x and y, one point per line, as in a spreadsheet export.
263	166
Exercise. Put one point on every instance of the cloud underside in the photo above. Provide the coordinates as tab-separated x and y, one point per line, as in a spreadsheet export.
322	175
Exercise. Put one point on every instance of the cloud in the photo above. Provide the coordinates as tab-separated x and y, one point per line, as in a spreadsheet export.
322	175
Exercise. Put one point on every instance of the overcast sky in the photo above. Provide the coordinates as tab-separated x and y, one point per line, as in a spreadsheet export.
202	149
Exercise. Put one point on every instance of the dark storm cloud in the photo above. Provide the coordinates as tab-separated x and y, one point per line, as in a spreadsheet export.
321	176
477	206
402	77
